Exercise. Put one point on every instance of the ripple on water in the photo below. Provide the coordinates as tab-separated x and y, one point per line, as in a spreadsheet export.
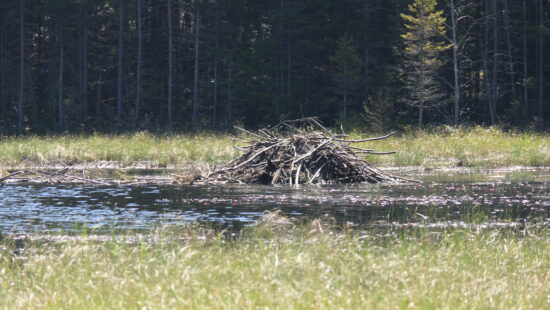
443	201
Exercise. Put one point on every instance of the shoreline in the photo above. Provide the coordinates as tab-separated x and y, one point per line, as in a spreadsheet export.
113	173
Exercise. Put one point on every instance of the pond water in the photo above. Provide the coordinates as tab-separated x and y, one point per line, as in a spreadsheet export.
453	198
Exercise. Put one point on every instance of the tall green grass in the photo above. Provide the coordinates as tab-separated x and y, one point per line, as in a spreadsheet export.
126	149
469	147
443	147
297	268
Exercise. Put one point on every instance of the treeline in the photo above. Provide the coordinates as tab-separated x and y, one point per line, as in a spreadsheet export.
98	65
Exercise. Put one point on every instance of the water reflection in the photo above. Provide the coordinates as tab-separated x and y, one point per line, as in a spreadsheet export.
445	199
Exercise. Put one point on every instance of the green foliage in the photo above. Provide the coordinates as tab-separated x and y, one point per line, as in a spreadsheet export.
425	31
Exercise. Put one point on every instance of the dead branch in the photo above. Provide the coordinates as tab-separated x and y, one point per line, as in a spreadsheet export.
300	151
9	176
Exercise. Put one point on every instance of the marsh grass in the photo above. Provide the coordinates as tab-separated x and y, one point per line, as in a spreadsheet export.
299	267
468	147
442	147
126	149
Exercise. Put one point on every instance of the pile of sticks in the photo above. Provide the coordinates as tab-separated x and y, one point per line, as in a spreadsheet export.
300	151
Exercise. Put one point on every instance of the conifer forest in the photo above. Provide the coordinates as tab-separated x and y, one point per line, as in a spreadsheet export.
162	65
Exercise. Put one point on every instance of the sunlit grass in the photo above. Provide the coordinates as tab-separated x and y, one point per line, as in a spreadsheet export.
443	147
469	147
291	268
126	149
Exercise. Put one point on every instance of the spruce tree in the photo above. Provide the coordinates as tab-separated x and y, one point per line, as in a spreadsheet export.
423	40
346	72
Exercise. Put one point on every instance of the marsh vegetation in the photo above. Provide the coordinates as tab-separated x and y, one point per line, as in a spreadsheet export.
442	147
307	266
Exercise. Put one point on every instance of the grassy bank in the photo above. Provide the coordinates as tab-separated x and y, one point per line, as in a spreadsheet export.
302	268
470	147
126	150
445	147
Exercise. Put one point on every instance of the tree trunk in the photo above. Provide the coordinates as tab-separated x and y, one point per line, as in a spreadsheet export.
540	65
494	83
307	92
170	61
98	102
60	103
120	79
455	63
21	68
138	66
421	115
509	46
487	90
229	106
196	78
289	72
216	52
525	90
2	77
84	63
281	58
366	10
345	110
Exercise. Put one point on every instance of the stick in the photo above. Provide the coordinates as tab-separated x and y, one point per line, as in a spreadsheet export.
380	153
407	179
87	180
250	133
251	158
59	172
292	166
276	176
360	149
9	176
312	151
240	149
268	134
368	139
316	173
241	140
316	122
297	181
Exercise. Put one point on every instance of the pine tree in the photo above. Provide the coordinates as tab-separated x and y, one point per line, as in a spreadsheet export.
423	39
346	72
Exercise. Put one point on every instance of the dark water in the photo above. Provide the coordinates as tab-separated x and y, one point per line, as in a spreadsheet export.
490	198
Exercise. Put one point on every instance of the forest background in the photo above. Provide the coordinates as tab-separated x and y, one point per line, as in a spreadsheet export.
164	65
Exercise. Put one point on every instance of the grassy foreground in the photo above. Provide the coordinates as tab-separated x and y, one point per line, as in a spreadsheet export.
304	268
444	147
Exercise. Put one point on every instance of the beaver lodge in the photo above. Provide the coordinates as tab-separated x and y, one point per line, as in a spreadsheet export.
300	152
